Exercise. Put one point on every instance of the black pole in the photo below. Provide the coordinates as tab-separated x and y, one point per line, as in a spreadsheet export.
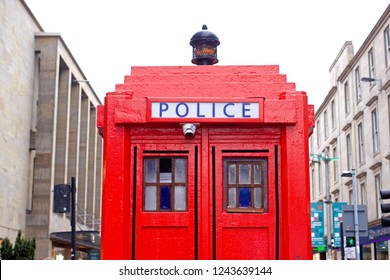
73	218
342	241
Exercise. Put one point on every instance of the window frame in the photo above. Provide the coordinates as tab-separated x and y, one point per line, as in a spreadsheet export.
362	155
358	84
349	151
375	131
387	45
333	112
158	184
347	99
371	63
262	185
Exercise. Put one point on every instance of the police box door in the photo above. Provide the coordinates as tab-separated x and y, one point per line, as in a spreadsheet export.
165	195
245	214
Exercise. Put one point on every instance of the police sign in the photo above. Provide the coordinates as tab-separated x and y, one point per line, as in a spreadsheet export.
205	110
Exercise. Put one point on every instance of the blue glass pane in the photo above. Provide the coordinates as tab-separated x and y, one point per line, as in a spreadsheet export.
165	198
245	197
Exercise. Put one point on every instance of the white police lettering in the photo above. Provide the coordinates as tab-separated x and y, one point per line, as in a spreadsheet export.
233	110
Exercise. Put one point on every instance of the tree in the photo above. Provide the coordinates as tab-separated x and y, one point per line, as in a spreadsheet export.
6	250
24	248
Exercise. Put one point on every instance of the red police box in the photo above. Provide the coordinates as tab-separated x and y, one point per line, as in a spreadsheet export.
206	162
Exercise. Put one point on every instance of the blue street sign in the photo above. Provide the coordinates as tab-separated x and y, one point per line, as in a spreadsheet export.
337	211
317	224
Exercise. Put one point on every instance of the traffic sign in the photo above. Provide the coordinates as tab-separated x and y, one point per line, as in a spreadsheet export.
348	221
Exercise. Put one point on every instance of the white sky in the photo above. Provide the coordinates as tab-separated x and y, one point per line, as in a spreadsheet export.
303	37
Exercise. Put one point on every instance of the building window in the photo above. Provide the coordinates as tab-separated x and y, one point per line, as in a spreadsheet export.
319	177
387	46
346	99
378	187
318	133
335	165
165	184
371	64
363	193
326	124
245	185
313	185
362	158
367	252
350	196
381	250
375	131
349	152
358	85
333	112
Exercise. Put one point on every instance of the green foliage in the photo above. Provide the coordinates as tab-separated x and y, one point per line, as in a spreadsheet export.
24	248
6	249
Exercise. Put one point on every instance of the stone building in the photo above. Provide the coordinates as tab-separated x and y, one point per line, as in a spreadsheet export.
47	136
352	133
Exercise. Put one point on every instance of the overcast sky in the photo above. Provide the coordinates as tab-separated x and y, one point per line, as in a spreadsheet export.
303	37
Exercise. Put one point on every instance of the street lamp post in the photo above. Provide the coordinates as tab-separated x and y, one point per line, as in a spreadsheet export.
328	202
352	174
324	157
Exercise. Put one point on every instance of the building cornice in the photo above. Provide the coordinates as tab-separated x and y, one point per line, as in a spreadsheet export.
376	166
358	115
373	99
361	175
346	127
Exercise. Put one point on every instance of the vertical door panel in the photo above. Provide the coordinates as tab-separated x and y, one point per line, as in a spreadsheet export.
245	227
165	226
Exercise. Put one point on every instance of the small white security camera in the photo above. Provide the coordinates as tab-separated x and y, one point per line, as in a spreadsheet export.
189	130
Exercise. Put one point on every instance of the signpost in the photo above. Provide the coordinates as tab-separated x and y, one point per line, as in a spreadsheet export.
317	224
337	209
351	235
349	221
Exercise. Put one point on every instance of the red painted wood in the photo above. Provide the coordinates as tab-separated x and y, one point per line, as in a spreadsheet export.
245	235
165	235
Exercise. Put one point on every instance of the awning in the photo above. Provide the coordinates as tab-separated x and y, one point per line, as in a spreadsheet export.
84	239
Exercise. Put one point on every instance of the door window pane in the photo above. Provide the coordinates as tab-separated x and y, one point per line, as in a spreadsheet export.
180	170
150	170
165	170
232	198
165	198
244	174
257	174
245	197
180	198
150	198
232	174
258	203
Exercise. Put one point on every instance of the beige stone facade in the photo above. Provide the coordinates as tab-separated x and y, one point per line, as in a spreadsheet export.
47	133
353	128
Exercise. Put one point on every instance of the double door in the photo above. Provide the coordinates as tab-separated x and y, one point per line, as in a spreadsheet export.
214	203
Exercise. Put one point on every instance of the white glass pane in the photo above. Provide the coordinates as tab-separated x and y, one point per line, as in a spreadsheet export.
150	198
150	170
232	174
232	198
258	198
244	176
257	174
180	170
166	177
180	198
